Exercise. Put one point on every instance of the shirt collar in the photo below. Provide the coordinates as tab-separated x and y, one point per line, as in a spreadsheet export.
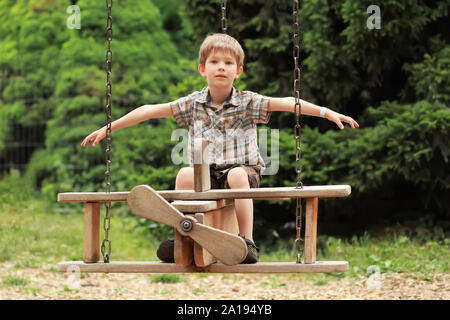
205	98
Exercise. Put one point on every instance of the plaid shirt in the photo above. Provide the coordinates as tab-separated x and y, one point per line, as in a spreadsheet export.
231	129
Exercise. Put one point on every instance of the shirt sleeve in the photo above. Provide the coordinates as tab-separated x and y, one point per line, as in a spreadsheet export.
182	110
258	108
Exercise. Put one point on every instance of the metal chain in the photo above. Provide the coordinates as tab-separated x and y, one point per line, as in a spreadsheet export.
298	244
224	17
107	222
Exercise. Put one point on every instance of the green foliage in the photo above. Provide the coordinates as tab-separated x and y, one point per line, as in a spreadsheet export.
396	164
393	80
431	77
55	75
345	65
16	188
173	16
405	139
190	80
146	160
410	137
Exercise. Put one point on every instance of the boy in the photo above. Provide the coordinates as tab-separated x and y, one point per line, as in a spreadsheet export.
219	113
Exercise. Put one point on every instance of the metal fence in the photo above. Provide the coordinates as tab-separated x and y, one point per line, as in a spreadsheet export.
19	143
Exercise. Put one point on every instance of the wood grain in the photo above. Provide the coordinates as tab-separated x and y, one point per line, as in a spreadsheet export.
328	191
161	267
202	178
228	248
91	232
311	229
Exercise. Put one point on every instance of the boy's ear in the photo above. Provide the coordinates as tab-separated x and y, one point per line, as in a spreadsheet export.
201	69
239	71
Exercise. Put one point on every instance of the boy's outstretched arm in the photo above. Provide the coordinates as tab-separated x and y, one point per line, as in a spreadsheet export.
288	104
136	116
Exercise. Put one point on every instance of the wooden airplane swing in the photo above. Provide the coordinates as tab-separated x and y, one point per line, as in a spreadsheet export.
204	219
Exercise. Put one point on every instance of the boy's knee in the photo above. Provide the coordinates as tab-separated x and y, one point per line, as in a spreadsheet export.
238	178
185	178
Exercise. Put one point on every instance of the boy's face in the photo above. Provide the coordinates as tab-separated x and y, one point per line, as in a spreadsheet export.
220	69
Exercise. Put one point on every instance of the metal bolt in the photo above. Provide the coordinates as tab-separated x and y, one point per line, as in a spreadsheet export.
186	225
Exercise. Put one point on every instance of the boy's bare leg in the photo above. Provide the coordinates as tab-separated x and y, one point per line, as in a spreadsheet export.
185	179
238	179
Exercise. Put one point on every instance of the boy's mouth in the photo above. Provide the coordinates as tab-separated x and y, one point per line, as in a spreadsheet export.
220	76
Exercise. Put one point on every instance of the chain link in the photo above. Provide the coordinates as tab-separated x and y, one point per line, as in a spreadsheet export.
298	244
224	17
107	222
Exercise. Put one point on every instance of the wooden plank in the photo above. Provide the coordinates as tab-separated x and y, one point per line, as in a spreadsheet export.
227	220
91	232
330	191
161	267
183	249
203	257
92	196
311	229
282	192
224	219
145	202
195	206
202	178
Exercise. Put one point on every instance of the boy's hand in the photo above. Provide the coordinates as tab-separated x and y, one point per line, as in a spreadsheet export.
95	136
339	118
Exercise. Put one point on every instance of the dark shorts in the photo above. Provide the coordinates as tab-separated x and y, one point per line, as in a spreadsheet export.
219	175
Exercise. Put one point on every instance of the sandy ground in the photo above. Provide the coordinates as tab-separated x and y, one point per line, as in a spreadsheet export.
45	283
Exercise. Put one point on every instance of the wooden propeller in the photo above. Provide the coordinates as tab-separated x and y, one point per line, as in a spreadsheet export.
230	249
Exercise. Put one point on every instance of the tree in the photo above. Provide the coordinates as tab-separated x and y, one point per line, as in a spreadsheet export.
345	65
55	75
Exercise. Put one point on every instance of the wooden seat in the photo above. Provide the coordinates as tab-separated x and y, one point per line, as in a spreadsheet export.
161	267
199	206
214	208
327	191
92	230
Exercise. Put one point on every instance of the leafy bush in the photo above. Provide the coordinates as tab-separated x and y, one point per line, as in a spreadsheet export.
14	188
396	165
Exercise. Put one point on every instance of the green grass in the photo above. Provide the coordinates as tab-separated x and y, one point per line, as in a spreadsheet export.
165	278
11	281
398	254
198	290
33	232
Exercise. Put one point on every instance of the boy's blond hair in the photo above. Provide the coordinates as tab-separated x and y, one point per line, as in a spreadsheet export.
221	41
